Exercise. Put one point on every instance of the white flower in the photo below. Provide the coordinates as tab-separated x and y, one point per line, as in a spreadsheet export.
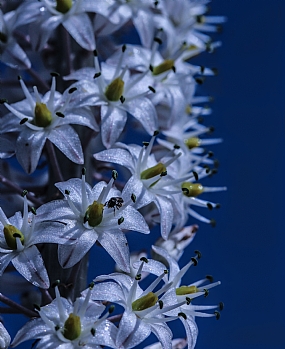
69	326
18	237
147	180
5	338
48	117
117	93
94	214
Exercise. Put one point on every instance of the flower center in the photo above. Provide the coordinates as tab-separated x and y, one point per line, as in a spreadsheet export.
3	37
63	6
153	171
183	290
43	116
115	90
94	214
163	67
192	142
10	234
72	327
144	302
192	189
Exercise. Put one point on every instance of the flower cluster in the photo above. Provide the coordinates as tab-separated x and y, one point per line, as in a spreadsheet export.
110	140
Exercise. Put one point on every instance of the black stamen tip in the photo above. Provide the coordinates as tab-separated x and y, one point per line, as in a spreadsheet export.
55	283
24	193
83	171
151	89
198	253
96	75
217	314
3	100
195	174
34	211
67	192
23	121
95	53
188	300
210	278
156	133
221	306
138	277
91	285
158	40
160	304
194	260
120	220
111	309
114	174
213	223
133	198
124	48
145	143
206	294
209	205
151	68
19	77
173	69
93	331
122	99
54	74
144	259
36	307
182	315
72	89
218	205
59	114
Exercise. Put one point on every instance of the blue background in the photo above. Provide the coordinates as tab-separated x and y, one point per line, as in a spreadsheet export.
246	249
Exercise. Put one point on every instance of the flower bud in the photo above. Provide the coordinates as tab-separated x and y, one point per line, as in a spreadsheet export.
192	189
192	142
63	6
43	116
163	67
10	234
94	214
115	90
153	171
72	327
5	338
144	302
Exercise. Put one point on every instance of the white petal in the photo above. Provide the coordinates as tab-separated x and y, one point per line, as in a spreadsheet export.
112	124
126	327
35	328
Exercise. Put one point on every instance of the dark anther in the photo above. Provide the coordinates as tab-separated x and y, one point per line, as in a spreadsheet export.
195	174
213	223
185	191
91	285
160	304
23	121
151	68
214	171
144	259
176	146
207	168
124	48
95	53
216	163
215	71
221	306
111	309
122	99
138	277
210	278
96	75
54	73
145	143
114	174
16	235
93	331
72	89
210	154
199	81
211	129
66	192
199	19
164	173
83	171
36	307
56	328
217	314
188	300
202	69
206	294
3	100
156	3
120	220
209	205
173	69
198	253
194	260
59	114
151	89
33	210
24	193
183	315
134	198
165	271
218	205
158	40
156	133
56	283
19	77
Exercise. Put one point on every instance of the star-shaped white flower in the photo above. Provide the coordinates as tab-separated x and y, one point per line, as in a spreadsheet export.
48	117
94	214
18	237
69	326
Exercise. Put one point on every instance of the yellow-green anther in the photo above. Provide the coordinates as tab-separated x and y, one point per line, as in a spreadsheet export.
10	234
192	142
184	290
72	327
94	213
115	90
3	37
144	302
43	116
192	189
163	67
63	6
153	171
188	110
